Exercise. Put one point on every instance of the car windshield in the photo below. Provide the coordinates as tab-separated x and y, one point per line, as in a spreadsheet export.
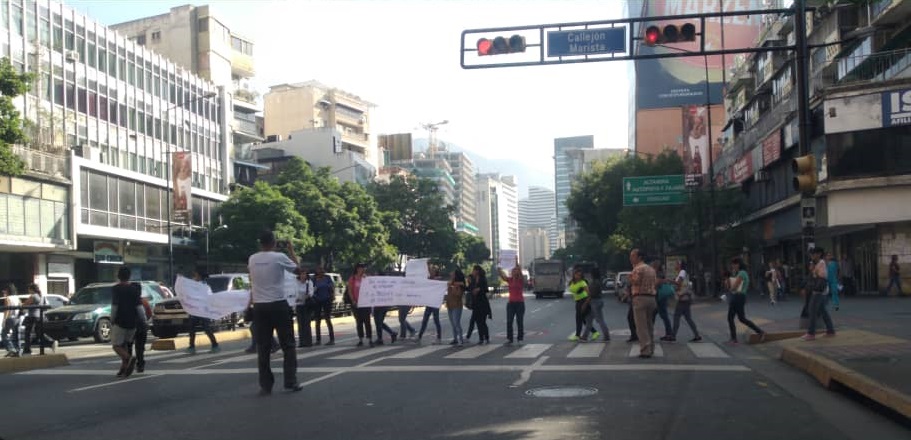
92	295
547	269
218	284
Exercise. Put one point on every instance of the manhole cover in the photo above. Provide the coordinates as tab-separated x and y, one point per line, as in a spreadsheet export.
562	392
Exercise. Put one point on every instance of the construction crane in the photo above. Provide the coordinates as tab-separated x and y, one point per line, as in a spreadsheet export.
432	131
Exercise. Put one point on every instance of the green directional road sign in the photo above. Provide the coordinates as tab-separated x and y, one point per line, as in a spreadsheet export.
654	190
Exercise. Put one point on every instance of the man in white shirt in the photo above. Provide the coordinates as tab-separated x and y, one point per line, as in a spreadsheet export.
302	309
271	311
10	335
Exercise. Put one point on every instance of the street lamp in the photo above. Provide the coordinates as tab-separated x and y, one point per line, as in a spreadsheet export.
168	165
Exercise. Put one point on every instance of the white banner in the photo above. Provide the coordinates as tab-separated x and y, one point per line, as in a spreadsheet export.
383	291
198	300
417	268
508	260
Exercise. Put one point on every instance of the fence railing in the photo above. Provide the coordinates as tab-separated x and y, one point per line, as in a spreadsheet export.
862	69
56	165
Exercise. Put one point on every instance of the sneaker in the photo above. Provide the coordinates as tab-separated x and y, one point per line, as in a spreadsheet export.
191	350
294	388
54	346
215	349
573	338
808	337
595	335
696	339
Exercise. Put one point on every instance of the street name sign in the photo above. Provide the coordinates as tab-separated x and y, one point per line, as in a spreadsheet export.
654	190
586	42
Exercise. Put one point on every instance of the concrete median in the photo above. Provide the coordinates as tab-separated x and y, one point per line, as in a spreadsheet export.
26	363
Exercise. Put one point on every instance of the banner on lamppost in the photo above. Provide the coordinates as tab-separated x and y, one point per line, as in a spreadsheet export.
696	141
181	175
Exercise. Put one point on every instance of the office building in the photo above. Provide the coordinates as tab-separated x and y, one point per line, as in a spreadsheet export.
564	174
538	210
498	212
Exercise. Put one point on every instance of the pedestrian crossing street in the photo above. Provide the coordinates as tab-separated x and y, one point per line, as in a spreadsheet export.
674	352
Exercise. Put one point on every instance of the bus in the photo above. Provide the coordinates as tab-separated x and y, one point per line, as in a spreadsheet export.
547	278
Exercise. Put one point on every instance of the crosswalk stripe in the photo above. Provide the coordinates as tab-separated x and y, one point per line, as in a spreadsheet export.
358	354
473	352
157	357
634	351
707	350
529	351
592	350
199	357
418	352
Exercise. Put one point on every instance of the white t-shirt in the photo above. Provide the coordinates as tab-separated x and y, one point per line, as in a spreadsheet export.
304	291
681	276
12	301
267	276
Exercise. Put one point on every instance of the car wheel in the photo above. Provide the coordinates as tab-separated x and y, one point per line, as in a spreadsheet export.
103	330
72	339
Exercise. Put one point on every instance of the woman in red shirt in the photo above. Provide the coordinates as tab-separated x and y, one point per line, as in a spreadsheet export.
361	314
515	308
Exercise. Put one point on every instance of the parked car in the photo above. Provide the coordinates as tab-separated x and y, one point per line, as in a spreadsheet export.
339	308
609	283
169	319
89	312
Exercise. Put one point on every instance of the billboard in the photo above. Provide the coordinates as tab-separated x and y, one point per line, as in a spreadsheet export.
674	82
181	178
696	139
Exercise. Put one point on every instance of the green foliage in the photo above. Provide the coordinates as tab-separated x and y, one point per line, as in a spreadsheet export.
12	84
420	219
251	210
471	250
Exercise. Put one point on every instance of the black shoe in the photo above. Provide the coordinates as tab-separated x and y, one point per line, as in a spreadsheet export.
123	369
331	342
644	356
454	342
360	343
318	342
371	343
696	339
394	337
632	340
379	342
294	388
140	367
130	367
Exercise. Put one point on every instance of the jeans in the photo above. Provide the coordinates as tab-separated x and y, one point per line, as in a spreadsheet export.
737	307
597	311
816	310
662	312
515	311
206	327
304	333
428	312
31	322
583	316
455	318
362	321
404	326
379	322
324	311
471	325
269	317
10	334
683	309
139	343
631	322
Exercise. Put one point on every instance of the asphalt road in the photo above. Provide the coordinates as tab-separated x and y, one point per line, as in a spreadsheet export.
597	390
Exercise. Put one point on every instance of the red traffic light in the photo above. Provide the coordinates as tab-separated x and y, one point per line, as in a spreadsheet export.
652	35
501	45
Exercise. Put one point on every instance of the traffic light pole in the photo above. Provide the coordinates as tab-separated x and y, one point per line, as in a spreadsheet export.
807	236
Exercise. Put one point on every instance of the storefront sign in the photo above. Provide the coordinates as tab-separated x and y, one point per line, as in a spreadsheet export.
742	169
771	148
896	108
107	252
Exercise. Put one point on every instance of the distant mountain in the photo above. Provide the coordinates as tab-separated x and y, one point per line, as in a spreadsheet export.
526	175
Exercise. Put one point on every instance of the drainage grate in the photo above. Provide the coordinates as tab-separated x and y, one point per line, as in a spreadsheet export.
562	392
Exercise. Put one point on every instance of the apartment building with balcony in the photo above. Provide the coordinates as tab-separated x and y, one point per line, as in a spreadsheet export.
195	38
318	147
860	102
465	189
109	113
311	105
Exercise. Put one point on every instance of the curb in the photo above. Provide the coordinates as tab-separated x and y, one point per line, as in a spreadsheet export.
25	363
827	371
773	336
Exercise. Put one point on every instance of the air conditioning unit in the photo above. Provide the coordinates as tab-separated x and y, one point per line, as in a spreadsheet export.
761	176
72	56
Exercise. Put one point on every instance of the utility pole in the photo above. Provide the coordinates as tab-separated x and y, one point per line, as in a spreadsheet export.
807	236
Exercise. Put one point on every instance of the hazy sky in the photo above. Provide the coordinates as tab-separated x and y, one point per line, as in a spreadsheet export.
404	57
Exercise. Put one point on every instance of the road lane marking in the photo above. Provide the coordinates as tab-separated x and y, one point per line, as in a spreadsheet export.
359	354
368	368
157	357
117	382
705	350
635	350
590	350
529	351
526	373
473	352
418	352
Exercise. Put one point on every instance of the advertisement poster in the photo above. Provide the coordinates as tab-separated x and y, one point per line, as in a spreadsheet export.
695	143
181	175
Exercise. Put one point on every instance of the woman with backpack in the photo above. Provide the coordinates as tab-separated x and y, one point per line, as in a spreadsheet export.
684	293
480	311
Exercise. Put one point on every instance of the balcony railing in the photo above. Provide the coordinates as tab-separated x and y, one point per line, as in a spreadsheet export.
54	165
776	116
863	69
245	126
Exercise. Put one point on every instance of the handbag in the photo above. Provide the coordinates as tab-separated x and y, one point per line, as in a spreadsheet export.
468	300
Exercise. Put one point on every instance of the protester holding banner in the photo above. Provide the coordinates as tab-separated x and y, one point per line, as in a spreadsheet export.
480	311
361	314
323	293
454	294
271	312
202	276
435	313
303	308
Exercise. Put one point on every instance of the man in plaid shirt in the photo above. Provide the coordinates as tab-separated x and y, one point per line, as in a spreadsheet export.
643	280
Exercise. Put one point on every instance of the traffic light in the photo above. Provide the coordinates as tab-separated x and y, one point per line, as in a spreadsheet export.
501	45
671	33
804	174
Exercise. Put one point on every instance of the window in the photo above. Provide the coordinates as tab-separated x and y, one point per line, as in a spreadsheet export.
203	24
156	36
140	39
879	152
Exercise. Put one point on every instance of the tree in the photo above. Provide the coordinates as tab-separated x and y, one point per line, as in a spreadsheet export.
12	84
250	211
422	225
344	219
471	250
